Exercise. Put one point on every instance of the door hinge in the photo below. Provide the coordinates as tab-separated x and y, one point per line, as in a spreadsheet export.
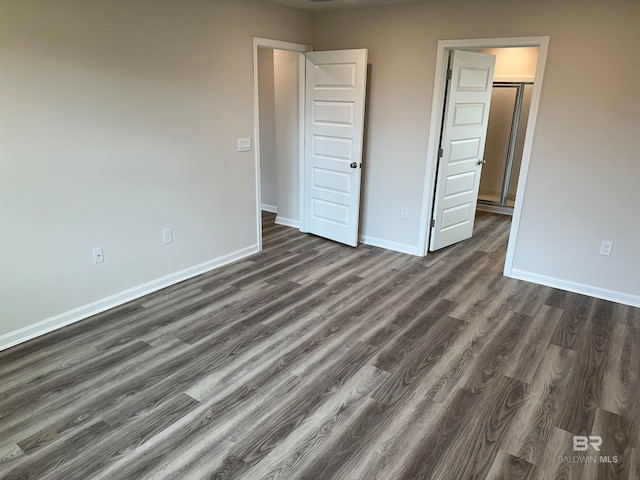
360	165
433	223
440	152
449	74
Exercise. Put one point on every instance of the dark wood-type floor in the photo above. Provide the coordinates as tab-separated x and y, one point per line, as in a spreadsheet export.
314	360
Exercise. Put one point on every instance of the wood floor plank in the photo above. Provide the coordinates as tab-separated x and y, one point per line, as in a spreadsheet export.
493	359
390	439
267	435
69	447
429	450
417	363
44	371
124	435
584	392
38	352
573	321
481	437
314	438
9	454
18	410
429	326
533	344
64	416
534	426
557	461
621	385
314	360
456	365
211	428
616	433
508	467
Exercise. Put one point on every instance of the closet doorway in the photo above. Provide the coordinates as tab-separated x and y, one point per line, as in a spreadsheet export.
539	43
508	116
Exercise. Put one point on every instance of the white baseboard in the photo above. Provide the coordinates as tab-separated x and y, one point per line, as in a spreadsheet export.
389	245
268	208
287	222
53	323
603	293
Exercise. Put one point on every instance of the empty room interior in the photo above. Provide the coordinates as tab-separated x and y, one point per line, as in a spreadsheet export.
319	239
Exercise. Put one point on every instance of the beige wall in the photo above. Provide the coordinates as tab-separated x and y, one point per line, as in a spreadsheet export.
582	184
287	120
278	83
267	109
514	64
118	119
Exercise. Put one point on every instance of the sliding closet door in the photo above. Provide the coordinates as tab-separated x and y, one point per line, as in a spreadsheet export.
496	150
506	131
519	148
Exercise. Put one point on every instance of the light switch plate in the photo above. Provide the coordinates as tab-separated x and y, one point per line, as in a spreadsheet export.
244	144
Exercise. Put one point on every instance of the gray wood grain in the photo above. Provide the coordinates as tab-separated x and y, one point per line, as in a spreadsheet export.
313	360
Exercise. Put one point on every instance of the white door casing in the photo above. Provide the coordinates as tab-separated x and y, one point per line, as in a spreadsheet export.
334	126
462	147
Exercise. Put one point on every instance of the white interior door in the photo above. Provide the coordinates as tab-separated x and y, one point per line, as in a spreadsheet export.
334	123
461	147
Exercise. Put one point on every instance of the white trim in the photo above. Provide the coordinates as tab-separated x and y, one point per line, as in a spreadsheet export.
619	297
389	245
483	207
302	87
278	45
58	321
288	222
437	104
268	208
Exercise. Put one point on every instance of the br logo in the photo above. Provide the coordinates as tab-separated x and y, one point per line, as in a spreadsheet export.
583	443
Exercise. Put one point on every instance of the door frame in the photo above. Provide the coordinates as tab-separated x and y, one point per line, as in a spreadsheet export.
435	126
259	42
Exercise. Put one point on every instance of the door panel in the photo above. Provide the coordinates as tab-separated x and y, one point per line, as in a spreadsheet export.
334	124
463	139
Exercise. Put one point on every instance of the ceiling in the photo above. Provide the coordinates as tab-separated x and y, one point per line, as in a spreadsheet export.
315	6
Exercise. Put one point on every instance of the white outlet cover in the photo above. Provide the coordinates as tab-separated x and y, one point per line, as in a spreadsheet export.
98	255
167	235
605	248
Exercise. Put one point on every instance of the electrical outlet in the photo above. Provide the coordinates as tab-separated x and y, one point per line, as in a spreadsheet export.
167	235
404	212
98	256
605	248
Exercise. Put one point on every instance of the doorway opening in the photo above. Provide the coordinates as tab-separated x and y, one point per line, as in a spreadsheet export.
278	69
309	131
513	84
438	105
278	80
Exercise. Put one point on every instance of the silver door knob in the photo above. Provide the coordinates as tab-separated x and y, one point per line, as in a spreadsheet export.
354	165
481	162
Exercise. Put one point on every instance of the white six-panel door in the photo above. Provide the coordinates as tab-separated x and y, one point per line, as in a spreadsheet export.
334	124
462	147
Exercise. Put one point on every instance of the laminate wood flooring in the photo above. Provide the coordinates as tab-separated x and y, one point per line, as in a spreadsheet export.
313	360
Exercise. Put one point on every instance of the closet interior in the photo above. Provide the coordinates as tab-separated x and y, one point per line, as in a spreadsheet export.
507	127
